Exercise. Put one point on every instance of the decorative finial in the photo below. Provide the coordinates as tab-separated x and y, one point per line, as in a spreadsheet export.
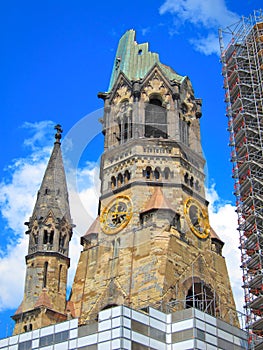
58	133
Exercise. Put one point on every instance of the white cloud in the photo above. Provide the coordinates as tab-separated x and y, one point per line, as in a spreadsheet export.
207	45
209	14
13	264
39	133
223	219
83	199
205	16
17	196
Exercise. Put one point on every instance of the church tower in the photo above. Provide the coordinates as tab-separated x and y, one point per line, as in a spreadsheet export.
152	244
47	261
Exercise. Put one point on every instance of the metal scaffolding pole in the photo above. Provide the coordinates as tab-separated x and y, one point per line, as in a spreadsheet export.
242	68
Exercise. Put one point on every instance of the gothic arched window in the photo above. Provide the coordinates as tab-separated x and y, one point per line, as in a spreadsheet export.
45	238
51	237
119	179
124	122
167	173
59	276
113	181
127	176
148	173
184	131
157	173
201	296
155	119
45	274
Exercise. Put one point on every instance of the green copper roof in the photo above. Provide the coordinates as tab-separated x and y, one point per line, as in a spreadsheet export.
135	60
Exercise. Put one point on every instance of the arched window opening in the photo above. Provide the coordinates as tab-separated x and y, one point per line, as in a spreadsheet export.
124	121
186	178
35	238
167	173
48	237
59	277
155	119
148	173
45	274
25	328
45	237
62	239
127	176
30	327
125	129
113	182
157	173
197	185
184	131
201	296
119	179
120	132
191	181
155	101
51	237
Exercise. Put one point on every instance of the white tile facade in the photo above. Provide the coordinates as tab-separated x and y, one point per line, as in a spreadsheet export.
123	328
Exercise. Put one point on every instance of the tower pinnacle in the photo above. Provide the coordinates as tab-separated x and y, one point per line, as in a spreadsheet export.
49	231
58	133
53	193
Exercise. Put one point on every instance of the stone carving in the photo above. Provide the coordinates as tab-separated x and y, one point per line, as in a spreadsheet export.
156	85
123	93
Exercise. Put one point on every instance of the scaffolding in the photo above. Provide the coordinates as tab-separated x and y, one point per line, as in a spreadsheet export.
242	68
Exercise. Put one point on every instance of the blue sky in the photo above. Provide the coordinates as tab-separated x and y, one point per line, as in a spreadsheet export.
55	57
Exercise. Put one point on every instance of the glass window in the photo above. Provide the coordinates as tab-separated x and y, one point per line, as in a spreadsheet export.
155	119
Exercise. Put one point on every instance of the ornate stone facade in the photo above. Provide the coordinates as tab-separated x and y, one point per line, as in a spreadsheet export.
163	254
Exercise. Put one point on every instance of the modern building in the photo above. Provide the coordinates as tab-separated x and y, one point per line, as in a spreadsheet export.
151	274
242	60
121	327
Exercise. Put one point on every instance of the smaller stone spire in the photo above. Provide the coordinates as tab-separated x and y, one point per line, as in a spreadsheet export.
49	230
53	192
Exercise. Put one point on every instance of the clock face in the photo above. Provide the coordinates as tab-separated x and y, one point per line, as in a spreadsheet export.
197	218
116	215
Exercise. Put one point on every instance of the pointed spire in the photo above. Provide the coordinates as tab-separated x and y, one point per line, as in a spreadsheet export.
53	192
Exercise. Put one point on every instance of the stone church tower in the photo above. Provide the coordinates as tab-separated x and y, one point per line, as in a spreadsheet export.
152	244
47	262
